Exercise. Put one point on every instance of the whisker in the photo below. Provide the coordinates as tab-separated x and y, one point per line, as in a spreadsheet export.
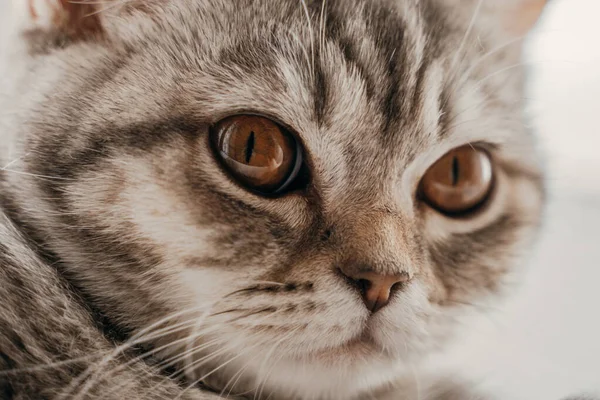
170	362
188	369
145	335
322	22
163	364
302	47
118	350
488	54
222	365
268	356
217	369
180	357
109	5
496	73
240	372
50	365
505	69
39	367
237	377
48	177
16	160
175	359
470	27
195	333
201	361
312	37
197	363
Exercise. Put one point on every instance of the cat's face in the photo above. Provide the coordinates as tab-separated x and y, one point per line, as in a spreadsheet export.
129	188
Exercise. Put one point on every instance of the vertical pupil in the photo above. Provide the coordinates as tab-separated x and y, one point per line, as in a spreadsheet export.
250	147
455	171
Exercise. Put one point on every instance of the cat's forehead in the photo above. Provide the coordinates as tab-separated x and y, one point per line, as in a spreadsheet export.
365	86
338	78
324	69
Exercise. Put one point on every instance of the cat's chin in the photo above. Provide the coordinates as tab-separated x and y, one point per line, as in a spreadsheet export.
315	380
363	346
359	365
339	373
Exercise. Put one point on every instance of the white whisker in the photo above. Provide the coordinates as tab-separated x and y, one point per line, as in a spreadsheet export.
222	365
267	358
172	361
163	364
312	36
323	23
16	160
58	178
195	334
470	27
482	58
118	350
235	378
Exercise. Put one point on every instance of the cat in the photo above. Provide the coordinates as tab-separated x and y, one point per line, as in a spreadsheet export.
265	199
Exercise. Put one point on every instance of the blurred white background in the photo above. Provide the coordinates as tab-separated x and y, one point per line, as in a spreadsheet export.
547	345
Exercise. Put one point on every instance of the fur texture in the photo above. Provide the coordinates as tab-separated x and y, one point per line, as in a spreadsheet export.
133	267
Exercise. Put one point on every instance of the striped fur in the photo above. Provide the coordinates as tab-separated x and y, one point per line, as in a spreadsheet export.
121	236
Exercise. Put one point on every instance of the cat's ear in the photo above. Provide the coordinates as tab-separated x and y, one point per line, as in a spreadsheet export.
518	16
75	19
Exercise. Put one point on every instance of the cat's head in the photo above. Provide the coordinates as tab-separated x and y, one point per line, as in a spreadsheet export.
318	190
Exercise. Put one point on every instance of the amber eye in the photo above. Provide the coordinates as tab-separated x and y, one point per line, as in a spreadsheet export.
458	182
257	152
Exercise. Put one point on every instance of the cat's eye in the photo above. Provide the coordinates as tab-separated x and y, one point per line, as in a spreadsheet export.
257	152
459	182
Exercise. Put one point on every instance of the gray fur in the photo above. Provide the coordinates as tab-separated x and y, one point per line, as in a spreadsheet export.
120	235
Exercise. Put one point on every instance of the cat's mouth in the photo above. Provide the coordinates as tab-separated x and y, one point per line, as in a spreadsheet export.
363	344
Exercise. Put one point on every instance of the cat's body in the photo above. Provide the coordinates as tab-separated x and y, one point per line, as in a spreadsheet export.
44	325
120	233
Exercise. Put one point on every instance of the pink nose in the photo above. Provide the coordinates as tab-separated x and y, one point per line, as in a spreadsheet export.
376	288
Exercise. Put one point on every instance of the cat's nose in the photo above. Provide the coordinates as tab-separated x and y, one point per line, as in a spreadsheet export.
375	288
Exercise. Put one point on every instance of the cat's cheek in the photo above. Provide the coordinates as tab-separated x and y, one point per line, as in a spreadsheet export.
205	288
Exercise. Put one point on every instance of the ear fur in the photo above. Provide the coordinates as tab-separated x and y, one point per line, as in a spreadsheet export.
75	19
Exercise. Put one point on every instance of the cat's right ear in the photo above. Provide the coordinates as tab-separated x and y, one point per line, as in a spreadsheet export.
516	17
520	16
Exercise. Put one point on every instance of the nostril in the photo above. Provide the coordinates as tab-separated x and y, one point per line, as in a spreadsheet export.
397	286
364	285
